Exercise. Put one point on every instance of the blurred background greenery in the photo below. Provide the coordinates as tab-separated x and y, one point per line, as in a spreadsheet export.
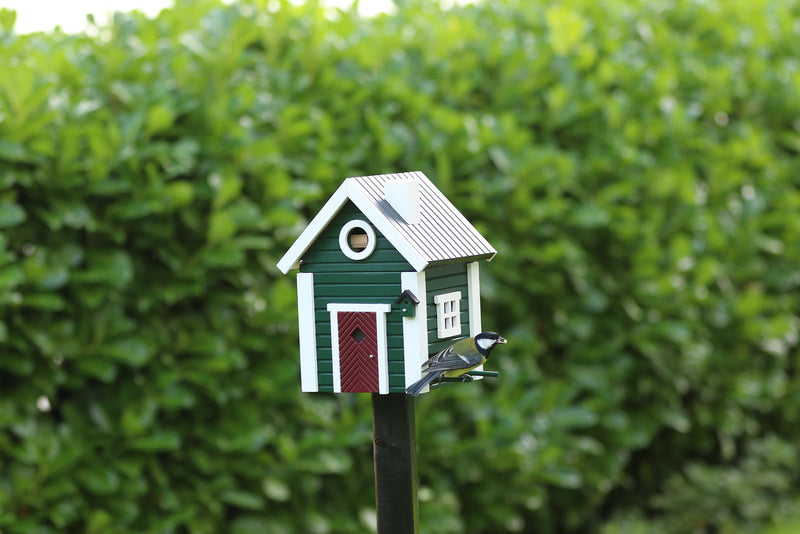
634	163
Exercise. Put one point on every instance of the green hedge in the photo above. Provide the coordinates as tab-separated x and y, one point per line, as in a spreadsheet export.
635	165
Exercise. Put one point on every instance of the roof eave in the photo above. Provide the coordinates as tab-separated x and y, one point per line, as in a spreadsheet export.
348	191
463	259
291	259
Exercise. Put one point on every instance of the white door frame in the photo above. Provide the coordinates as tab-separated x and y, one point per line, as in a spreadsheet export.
380	311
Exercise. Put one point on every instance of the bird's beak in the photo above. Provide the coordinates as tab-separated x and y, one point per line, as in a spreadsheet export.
502	340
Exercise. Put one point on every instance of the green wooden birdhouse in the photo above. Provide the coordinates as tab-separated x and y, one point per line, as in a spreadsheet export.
388	275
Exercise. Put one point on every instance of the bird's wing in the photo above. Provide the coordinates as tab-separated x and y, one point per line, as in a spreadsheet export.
460	355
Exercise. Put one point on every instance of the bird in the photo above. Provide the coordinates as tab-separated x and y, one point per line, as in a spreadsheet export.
460	357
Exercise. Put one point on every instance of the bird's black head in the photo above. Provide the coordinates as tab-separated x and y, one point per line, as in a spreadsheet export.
486	341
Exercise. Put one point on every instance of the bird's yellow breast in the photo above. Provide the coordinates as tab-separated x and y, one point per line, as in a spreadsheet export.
458	372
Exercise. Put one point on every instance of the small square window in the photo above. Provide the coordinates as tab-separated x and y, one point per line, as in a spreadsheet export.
448	314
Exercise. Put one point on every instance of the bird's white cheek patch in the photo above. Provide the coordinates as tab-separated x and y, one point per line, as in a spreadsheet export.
485	344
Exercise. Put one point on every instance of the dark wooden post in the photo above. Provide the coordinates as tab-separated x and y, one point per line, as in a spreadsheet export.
395	448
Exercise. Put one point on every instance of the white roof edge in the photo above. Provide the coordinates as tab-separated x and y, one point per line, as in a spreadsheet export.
291	259
348	190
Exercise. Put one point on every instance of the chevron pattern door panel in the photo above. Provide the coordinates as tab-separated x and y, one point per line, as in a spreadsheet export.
358	351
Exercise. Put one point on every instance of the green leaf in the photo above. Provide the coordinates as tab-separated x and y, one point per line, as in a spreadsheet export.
43	301
242	499
562	477
573	417
589	216
252	525
227	254
17	363
10	151
276	490
566	28
221	227
53	278
159	441
115	268
134	352
98	479
8	17
227	185
103	370
178	194
11	276
159	117
138	417
11	214
99	521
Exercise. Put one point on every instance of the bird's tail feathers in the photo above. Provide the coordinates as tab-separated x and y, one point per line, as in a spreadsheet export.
417	387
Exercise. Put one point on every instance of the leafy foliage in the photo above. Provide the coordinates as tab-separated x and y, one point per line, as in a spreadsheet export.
633	163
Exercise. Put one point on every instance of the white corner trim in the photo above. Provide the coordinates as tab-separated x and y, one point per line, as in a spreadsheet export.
309	381
474	301
415	329
291	259
474	297
345	246
403	246
383	352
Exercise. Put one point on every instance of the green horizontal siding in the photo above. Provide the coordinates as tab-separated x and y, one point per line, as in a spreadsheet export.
377	267
444	271
338	279
398	382
364	278
352	290
335	256
324	254
445	279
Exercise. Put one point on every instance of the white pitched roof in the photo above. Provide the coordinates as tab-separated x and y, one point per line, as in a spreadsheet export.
441	233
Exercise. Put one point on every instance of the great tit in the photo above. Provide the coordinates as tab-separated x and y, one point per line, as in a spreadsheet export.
457	359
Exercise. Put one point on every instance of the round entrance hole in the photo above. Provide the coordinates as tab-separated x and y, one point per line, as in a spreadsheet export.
357	239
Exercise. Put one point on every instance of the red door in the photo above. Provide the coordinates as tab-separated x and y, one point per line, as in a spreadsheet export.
358	351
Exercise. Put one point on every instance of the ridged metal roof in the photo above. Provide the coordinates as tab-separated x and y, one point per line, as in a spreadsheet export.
442	232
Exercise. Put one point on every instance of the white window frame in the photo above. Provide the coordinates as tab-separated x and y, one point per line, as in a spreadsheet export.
448	314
